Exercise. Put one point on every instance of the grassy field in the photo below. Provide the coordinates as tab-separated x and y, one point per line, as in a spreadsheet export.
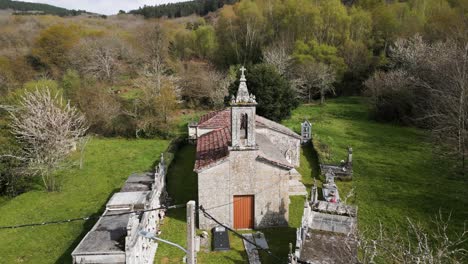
395	173
108	163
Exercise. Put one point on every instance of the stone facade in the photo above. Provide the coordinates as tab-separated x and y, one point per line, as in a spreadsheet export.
243	174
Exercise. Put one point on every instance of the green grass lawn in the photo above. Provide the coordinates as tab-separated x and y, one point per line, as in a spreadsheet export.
395	173
108	163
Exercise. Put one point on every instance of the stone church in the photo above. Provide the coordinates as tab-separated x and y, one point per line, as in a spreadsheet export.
245	165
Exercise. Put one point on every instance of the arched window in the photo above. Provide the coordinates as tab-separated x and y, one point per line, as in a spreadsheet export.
244	126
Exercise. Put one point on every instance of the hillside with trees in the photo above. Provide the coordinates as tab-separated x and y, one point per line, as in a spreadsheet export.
182	9
130	75
20	7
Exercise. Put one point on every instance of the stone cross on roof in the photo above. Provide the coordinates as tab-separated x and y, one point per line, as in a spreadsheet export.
243	96
243	69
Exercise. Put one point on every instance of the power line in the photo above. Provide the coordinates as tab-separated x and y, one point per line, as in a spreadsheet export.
206	214
89	217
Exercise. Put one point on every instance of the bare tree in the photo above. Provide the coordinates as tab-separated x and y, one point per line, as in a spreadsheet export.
416	245
48	129
314	78
278	56
202	84
101	58
439	75
154	51
427	85
392	95
219	83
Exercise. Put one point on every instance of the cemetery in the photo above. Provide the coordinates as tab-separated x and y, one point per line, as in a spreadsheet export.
329	222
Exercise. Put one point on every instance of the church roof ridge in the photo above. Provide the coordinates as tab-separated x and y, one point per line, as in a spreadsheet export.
263	121
222	118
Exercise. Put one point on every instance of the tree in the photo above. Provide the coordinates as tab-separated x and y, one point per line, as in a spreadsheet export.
48	130
312	51
154	109
416	244
251	25
154	46
205	41
166	102
440	74
392	96
71	83
101	58
53	45
295	19
273	93
334	25
240	32
313	79
278	55
435	79
202	85
103	110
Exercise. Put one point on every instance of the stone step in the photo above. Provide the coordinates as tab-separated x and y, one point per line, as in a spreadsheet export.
252	252
296	188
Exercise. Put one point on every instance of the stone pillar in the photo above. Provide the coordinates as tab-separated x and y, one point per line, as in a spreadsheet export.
191	254
350	156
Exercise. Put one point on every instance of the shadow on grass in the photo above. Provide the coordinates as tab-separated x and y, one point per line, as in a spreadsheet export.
181	187
233	260
311	157
278	239
87	225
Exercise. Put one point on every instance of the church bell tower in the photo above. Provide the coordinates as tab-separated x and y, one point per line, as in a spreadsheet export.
243	117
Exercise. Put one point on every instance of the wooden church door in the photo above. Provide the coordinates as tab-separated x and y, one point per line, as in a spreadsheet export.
243	212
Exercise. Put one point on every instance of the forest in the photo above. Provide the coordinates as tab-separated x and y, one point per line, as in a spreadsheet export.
20	7
132	76
181	9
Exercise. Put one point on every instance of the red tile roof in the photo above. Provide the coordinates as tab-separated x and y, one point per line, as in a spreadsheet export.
213	147
216	119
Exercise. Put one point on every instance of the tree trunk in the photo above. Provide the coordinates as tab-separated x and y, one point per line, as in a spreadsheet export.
322	96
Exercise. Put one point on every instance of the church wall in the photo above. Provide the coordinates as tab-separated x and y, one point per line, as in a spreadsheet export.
284	143
213	191
242	174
